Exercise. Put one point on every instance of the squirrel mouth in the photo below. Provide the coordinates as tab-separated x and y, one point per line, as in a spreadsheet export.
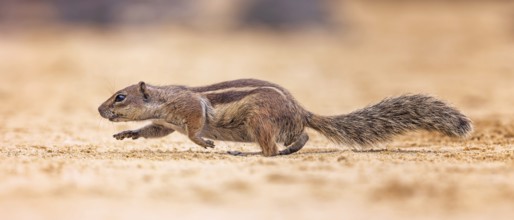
118	118
107	113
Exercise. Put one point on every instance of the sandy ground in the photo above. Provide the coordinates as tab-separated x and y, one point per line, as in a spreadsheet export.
59	161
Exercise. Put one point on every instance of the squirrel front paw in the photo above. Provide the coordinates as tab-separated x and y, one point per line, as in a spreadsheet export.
127	134
208	143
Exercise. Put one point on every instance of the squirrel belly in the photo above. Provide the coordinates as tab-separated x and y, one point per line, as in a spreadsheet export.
390	117
249	110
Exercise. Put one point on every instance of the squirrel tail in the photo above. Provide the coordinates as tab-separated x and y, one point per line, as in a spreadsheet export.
390	117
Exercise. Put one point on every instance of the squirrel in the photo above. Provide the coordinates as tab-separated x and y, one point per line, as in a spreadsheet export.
250	110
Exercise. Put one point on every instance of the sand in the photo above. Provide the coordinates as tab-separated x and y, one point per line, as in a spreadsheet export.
58	159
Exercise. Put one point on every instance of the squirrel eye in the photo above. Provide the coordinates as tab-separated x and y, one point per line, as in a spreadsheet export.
119	98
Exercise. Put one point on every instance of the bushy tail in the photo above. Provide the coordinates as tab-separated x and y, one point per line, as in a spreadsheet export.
390	117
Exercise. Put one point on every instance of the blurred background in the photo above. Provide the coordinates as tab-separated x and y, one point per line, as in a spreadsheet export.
334	55
60	59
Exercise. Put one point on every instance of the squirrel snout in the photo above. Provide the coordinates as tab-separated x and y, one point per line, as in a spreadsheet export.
102	110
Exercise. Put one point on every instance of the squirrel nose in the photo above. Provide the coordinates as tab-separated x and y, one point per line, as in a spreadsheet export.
101	110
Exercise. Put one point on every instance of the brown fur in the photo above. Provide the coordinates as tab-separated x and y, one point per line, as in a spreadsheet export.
250	110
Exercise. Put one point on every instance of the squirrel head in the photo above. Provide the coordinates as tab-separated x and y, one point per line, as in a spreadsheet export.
133	103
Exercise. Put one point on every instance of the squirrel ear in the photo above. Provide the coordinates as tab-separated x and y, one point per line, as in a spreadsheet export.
142	89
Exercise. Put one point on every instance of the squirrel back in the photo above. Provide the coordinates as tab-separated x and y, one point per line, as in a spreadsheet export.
390	117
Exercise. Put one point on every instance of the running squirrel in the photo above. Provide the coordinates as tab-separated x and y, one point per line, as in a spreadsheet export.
250	110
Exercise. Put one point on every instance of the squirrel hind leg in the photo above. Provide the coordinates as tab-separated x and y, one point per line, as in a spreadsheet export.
264	133
296	146
268	144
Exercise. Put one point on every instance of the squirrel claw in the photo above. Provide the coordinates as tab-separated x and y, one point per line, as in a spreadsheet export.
126	134
209	144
